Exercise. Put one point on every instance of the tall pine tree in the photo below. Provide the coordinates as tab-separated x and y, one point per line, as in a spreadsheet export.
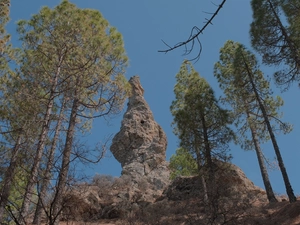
75	55
200	123
254	108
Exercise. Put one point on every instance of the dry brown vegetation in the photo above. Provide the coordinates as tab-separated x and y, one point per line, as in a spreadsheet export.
191	212
234	201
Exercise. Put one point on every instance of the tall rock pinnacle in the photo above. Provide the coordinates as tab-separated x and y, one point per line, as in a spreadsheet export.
140	145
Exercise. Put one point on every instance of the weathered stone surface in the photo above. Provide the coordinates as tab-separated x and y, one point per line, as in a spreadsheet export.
183	198
230	179
140	145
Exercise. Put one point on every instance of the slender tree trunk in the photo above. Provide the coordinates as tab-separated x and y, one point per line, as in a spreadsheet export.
207	154
63	174
34	170
289	189
201	174
47	175
288	186
263	170
204	188
39	152
212	186
8	178
200	166
262	166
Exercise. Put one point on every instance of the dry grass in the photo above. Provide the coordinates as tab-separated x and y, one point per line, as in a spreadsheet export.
240	203
281	213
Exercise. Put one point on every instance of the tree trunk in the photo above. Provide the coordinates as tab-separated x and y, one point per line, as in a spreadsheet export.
213	201
199	160
263	169
47	175
39	152
289	189
34	170
63	173
8	178
199	165
204	188
207	153
288	186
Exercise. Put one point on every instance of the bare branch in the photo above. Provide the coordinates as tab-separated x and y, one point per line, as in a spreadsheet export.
194	37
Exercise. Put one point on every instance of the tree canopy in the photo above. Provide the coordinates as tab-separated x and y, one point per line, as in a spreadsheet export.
71	70
199	122
274	34
254	108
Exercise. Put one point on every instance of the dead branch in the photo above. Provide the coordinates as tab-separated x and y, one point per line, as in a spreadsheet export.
194	37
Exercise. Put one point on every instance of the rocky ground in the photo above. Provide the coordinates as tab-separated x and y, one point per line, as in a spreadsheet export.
181	203
281	213
144	193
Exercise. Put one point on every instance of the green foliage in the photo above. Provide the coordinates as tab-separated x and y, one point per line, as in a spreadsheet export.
275	35
249	94
73	54
4	18
7	53
68	54
16	194
233	69
291	11
81	48
200	123
182	163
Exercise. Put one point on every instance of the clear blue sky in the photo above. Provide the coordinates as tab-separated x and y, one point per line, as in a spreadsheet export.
143	25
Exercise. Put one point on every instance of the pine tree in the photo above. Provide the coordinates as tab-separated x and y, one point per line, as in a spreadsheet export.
47	175
18	116
200	123
74	54
182	163
275	35
250	97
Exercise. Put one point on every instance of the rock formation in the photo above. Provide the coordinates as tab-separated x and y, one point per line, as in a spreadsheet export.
143	194
140	145
118	198
229	178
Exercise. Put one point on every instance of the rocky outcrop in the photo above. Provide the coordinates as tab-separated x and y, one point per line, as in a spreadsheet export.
119	198
140	145
230	180
143	194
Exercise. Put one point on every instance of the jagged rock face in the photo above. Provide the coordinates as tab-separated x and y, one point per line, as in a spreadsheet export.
140	145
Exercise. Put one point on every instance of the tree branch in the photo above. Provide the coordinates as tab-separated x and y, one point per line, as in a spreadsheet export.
193	38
